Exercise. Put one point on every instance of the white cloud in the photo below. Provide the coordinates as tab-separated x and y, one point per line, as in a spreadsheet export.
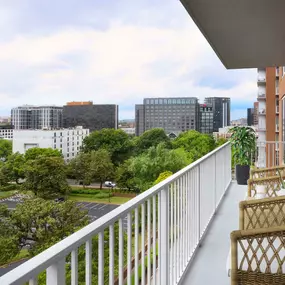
120	65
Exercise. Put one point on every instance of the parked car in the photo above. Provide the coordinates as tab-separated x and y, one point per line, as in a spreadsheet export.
60	199
110	184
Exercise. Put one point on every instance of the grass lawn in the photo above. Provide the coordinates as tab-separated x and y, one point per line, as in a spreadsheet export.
90	198
22	254
6	194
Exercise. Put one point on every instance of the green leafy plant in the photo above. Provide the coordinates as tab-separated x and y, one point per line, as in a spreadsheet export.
243	144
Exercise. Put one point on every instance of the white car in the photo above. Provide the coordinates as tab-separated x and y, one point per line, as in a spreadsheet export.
110	184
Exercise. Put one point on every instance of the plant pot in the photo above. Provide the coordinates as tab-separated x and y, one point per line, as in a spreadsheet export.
242	174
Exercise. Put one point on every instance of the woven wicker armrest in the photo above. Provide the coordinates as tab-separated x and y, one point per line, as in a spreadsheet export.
266	172
262	213
271	184
258	256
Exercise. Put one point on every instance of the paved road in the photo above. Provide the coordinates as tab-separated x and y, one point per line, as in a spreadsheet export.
95	211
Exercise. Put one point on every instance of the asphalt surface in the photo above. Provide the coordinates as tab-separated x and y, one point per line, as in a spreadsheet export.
95	211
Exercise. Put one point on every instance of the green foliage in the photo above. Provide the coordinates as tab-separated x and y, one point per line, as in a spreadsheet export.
46	177
14	167
116	142
5	149
9	187
125	177
221	141
84	191
101	166
79	167
243	144
35	152
38	223
147	166
195	143
162	176
152	138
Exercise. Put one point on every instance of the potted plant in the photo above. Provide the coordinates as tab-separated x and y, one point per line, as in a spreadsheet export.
243	148
281	192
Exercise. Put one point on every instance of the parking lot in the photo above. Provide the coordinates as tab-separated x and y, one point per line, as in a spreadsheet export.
95	210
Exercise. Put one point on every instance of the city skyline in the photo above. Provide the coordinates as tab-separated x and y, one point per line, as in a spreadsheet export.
110	52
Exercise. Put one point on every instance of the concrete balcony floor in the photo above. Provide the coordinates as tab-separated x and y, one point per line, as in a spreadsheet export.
209	264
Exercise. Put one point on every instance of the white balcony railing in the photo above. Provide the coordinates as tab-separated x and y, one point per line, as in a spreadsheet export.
170	219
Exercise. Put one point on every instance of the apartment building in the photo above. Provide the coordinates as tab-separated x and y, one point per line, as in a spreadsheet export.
36	117
6	133
90	116
174	115
221	111
68	141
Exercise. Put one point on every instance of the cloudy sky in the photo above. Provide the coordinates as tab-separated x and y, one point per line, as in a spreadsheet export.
112	51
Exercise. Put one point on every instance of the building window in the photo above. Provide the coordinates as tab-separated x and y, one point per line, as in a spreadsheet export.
60	145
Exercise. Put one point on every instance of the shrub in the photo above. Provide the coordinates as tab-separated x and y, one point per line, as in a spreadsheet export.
9	187
103	195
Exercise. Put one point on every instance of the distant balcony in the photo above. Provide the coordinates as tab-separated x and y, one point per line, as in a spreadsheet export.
261	96
262	111
261	80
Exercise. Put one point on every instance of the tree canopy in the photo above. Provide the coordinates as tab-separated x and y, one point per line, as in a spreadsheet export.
36	224
35	152
5	149
46	177
117	142
151	138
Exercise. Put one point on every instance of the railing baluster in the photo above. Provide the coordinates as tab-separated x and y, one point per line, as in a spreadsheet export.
136	246
171	231
88	261
175	234
154	239
74	267
121	252
101	258
111	255
164	237
56	273
178	228
159	236
33	281
129	255
148	240
143	244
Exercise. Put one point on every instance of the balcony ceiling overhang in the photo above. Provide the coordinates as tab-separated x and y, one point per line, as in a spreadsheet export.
243	33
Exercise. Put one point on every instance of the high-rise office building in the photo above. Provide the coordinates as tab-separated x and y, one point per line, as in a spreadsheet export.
36	117
206	119
174	115
221	111
92	117
250	115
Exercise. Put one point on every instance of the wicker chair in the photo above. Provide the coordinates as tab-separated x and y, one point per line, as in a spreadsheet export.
272	186
258	248
266	172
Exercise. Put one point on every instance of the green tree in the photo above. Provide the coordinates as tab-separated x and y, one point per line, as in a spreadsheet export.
220	141
125	178
4	174
162	176
151	138
5	149
195	143
46	177
79	167
147	166
38	223
101	166
35	152
14	167
117	142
